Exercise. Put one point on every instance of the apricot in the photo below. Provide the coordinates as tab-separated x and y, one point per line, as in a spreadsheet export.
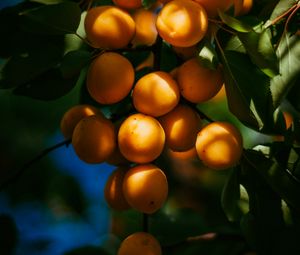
212	6
109	27
145	188
128	4
94	139
155	94
197	83
141	138
145	32
242	7
74	115
219	145
110	78
181	127
182	23
113	191
140	243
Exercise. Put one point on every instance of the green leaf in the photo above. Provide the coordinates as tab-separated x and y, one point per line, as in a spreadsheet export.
231	196
54	19
48	86
73	62
294	95
261	51
288	53
47	1
234	23
281	7
24	68
280	179
247	101
235	44
207	55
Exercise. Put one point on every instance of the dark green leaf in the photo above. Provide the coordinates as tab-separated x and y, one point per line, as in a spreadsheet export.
48	86
294	95
73	62
234	23
54	19
261	51
288	53
248	102
280	179
207	55
22	69
231	196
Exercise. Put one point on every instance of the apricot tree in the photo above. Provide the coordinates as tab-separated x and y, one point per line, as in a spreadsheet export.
149	73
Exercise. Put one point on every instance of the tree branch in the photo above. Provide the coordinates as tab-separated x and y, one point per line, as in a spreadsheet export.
27	165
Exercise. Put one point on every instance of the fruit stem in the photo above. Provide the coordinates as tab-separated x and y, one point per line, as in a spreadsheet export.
145	222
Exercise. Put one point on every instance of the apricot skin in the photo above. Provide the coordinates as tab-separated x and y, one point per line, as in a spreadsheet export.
141	138
110	78
140	243
219	145
94	139
145	188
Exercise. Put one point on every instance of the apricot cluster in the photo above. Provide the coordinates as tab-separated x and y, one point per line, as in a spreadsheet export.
164	112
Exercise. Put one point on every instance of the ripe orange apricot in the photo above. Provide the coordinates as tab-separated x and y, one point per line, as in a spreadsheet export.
74	115
128	4
145	188
141	138
242	7
212	6
94	139
145	32
113	191
140	243
156	94
181	127
219	145
110	78
182	23
109	27
197	83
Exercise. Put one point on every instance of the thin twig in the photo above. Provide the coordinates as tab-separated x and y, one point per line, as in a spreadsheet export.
27	165
274	21
84	39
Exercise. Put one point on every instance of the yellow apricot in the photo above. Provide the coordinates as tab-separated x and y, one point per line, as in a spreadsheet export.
128	4
197	83
182	23
242	7
219	145
145	32
109	27
94	139
74	115
141	138
212	6
145	188
155	94
110	78
181	127
113	191
140	243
